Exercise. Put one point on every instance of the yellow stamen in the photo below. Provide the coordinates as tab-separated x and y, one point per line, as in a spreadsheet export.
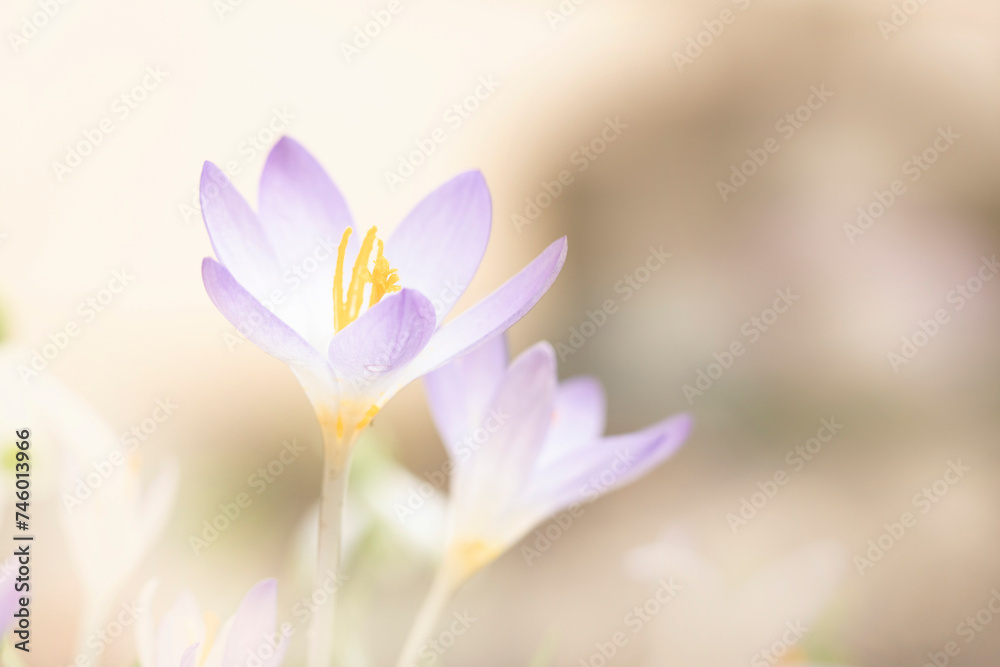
338	283
382	277
211	626
340	427
356	290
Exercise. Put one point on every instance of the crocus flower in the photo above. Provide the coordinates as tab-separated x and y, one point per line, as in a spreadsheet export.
368	320
523	447
187	637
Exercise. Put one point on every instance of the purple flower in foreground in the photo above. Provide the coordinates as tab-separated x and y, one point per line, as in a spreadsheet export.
186	637
368	319
524	446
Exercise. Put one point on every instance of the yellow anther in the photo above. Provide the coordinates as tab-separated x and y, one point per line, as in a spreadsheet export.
339	314
356	290
382	277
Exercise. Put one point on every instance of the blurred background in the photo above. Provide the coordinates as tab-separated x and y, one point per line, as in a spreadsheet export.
821	174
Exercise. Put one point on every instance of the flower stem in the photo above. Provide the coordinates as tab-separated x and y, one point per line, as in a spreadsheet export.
336	464
445	584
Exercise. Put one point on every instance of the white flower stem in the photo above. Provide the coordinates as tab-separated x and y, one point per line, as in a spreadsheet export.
445	584
336	464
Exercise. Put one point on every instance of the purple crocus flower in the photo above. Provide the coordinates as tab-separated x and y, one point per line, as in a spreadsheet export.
188	637
369	319
524	446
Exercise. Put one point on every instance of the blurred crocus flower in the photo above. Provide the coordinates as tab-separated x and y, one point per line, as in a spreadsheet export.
187	637
355	335
763	621
112	515
111	531
524	446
